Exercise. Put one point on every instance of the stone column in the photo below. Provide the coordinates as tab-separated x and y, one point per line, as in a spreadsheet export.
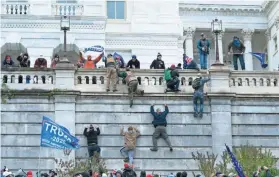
220	98
65	101
220	46
247	35
189	35
269	50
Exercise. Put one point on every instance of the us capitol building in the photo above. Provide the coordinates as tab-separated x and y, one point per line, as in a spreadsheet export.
143	28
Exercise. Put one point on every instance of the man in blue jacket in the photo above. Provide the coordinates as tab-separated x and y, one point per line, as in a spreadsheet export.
160	124
204	47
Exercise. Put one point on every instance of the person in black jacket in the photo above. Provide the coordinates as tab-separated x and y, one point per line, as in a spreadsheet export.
158	63
92	139
24	61
134	63
128	171
160	123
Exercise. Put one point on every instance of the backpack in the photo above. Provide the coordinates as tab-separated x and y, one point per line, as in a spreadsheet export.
167	74
196	83
129	173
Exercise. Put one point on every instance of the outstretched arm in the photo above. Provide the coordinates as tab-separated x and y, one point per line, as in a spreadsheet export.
152	110
96	60
122	131
98	131
85	133
137	131
166	109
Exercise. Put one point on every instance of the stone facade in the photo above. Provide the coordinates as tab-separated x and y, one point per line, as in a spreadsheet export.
240	108
36	26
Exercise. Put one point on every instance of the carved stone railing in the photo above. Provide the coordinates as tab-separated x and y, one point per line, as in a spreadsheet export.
67	9
28	78
254	82
151	81
15	8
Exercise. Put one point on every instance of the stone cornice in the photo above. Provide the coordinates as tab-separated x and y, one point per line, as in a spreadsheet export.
268	5
220	9
51	22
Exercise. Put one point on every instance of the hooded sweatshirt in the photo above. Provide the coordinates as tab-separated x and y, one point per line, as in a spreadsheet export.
130	138
237	46
40	62
24	60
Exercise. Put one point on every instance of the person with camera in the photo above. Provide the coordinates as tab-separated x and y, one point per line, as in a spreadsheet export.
91	134
260	169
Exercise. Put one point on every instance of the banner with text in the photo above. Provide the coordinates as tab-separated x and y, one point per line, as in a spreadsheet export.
56	136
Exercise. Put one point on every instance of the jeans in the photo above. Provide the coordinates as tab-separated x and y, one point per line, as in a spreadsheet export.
92	149
173	84
241	59
198	96
160	131
203	60
128	153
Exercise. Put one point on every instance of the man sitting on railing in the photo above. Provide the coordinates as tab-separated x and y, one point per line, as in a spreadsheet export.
8	62
132	83
40	62
198	85
171	77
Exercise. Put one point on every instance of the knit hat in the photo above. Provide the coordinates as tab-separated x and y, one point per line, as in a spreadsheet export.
172	66
134	57
159	54
126	165
149	175
29	173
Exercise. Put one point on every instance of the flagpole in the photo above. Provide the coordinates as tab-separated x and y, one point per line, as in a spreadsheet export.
38	175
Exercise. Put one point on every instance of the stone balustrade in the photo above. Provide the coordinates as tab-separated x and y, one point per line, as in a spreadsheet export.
67	9
15	8
152	81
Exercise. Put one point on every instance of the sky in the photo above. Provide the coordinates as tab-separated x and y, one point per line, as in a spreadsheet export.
235	2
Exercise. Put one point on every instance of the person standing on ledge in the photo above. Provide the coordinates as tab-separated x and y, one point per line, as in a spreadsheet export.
132	83
198	85
204	47
160	123
111	72
238	49
92	139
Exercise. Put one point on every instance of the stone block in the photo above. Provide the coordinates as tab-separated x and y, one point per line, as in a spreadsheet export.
255	130
138	118
271	141
255	109
25	117
113	141
27	107
255	119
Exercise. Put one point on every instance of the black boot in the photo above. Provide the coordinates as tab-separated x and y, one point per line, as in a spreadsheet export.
200	115
195	114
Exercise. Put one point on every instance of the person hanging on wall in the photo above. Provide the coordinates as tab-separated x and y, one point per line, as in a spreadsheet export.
189	63
134	63
110	64
92	134
160	123
41	62
204	47
23	60
130	138
91	64
158	63
132	83
198	86
238	50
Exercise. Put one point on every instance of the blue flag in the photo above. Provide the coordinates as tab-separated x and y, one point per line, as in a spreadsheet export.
116	55
261	57
236	164
56	136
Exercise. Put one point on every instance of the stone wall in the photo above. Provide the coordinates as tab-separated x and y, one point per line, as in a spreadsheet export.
234	121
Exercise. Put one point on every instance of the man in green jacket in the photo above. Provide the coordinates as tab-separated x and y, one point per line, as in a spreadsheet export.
132	83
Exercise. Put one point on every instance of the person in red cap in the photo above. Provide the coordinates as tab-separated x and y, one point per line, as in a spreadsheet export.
149	175
172	79
29	174
128	171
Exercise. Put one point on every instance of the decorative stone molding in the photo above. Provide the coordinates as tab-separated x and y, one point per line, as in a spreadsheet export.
139	42
52	26
267	34
224	10
189	32
180	42
277	23
247	34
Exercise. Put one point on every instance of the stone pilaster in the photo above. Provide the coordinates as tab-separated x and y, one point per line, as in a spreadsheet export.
65	76
269	50
221	120
220	45
247	36
189	35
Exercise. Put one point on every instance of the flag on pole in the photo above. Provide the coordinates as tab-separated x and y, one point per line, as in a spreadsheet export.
260	57
236	164
56	136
